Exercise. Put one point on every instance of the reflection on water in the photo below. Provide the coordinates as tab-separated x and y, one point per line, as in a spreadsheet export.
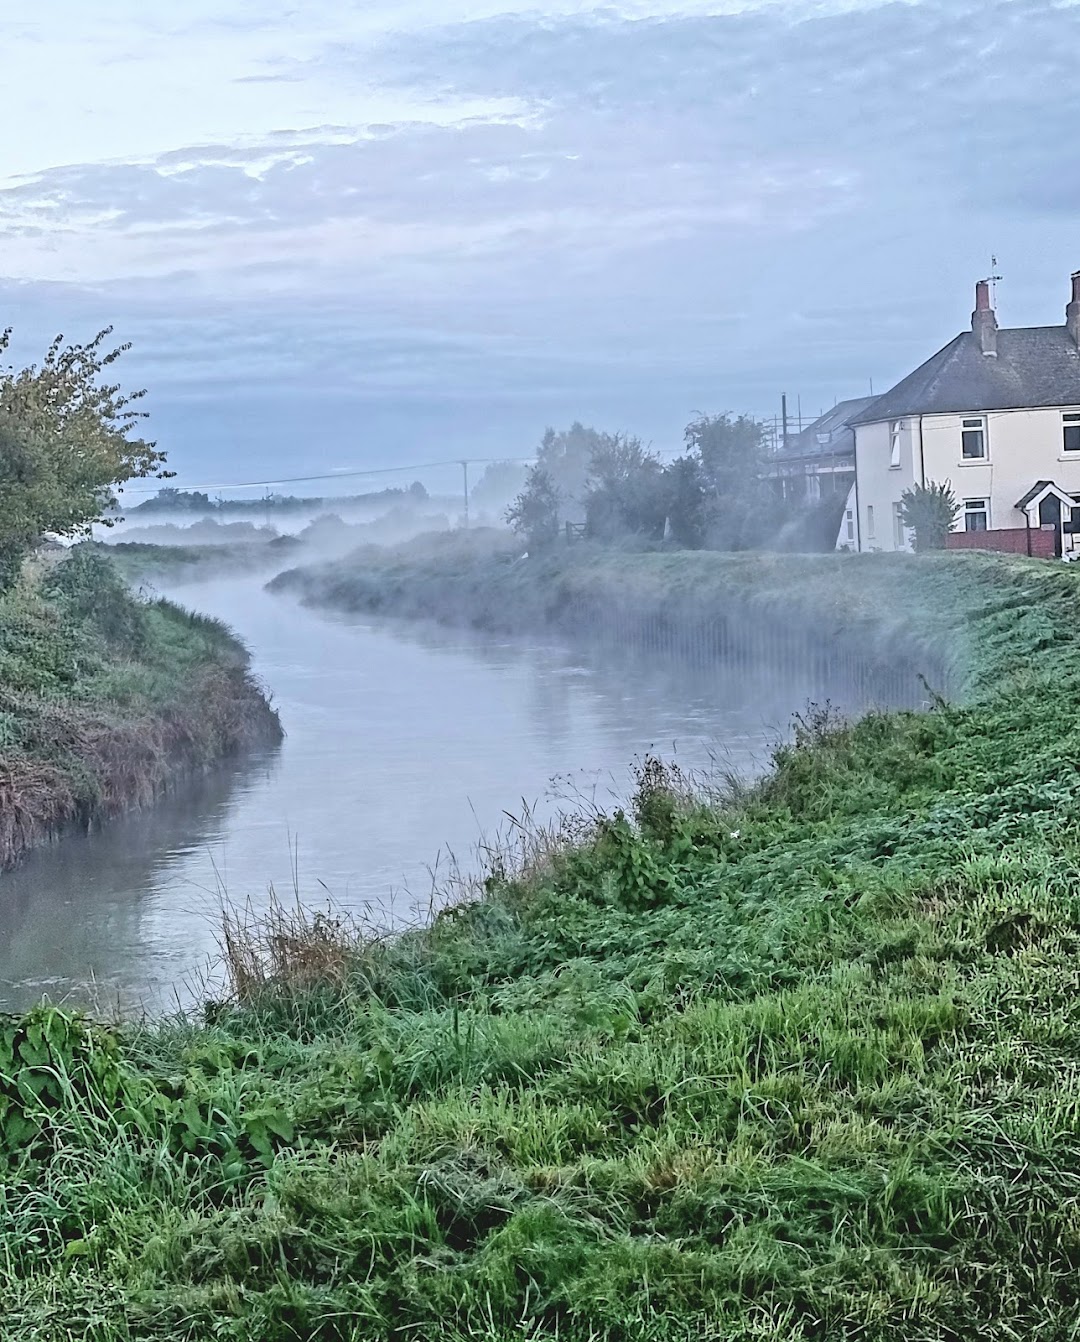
404	742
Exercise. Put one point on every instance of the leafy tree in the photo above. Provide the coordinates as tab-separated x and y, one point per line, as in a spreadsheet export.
534	514
730	452
685	491
930	511
66	442
567	456
625	493
500	482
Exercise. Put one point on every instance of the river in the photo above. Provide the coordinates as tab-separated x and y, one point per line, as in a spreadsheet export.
406	744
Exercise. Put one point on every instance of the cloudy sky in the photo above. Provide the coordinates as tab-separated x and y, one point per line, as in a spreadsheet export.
352	233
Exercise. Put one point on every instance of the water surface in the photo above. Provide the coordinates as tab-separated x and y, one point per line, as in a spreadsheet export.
405	743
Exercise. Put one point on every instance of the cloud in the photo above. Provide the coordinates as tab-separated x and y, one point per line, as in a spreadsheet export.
584	213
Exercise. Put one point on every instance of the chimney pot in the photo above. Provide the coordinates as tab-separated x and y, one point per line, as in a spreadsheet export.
1072	312
984	321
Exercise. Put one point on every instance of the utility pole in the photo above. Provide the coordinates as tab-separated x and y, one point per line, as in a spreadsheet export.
783	406
465	473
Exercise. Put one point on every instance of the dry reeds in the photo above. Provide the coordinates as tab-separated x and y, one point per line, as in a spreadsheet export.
288	949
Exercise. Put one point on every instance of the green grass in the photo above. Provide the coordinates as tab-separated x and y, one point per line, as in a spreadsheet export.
106	700
874	608
141	562
799	1063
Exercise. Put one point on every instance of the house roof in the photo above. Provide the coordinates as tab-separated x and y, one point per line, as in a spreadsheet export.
829	435
1038	490
1033	493
1035	366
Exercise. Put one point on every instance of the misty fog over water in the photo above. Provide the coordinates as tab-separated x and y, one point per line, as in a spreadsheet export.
404	741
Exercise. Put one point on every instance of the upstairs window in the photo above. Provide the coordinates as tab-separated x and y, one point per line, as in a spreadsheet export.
1070	431
973	439
976	515
894	458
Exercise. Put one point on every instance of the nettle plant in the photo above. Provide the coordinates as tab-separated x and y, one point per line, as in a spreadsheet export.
64	1083
55	1071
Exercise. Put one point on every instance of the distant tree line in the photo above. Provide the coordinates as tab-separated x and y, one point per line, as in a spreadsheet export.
715	496
169	500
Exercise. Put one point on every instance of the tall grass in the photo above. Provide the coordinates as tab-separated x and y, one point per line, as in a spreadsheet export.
798	1063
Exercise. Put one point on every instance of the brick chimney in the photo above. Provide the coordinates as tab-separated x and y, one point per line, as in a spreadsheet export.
1072	312
984	320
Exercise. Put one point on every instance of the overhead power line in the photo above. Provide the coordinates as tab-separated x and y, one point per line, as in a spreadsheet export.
340	475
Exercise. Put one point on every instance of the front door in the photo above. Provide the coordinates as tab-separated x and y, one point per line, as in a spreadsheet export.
1050	516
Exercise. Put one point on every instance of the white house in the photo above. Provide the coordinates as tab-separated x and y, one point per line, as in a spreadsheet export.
996	414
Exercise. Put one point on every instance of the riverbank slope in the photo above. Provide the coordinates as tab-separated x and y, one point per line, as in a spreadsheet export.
143	563
106	701
874	618
799	1063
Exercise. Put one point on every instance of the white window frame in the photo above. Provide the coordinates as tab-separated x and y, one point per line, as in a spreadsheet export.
899	530
849	519
976	508
1070	427
896	428
870	522
973	424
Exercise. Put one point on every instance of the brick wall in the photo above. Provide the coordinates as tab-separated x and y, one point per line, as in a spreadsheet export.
1012	541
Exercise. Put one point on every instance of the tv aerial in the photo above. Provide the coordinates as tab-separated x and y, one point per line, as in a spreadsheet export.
995	280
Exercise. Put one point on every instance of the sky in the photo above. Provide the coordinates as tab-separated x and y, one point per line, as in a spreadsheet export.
356	234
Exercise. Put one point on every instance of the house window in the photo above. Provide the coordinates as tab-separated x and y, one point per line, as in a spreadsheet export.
849	519
1070	428
973	439
894	457
899	538
976	515
869	521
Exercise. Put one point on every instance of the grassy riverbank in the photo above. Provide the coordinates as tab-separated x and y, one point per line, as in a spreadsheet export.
770	607
105	700
801	1063
143	563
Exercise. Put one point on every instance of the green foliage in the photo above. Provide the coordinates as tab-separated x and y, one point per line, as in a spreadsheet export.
566	456
625	494
53	1067
931	511
730	453
95	595
501	480
105	698
685	488
65	444
534	514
